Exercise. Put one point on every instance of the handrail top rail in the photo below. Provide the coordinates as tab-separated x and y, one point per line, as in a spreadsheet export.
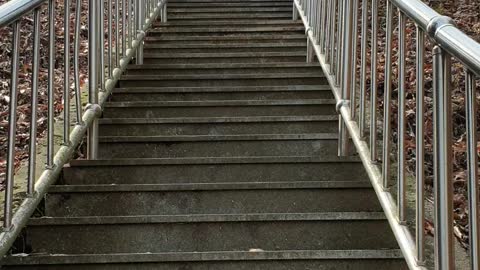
13	10
443	31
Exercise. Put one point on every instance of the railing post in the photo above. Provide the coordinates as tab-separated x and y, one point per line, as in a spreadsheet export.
340	43
12	124
442	150
401	168
92	143
347	57
32	161
139	13
472	159
51	82
295	11
387	141
164	12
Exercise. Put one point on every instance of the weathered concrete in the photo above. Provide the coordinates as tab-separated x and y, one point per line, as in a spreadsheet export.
218	125
222	93
94	200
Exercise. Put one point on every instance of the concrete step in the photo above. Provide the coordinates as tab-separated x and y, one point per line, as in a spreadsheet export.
204	233
229	4
221	93
226	23
184	16
224	69
246	33
221	198
230	39
198	17
204	47
324	144
219	125
203	58
175	109
234	260
213	170
212	80
220	31
228	10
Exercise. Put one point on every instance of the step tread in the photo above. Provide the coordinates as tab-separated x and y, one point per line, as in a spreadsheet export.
224	10
202	218
254	255
276	37
228	23
196	138
223	55
214	160
216	15
210	186
224	65
216	103
222	76
247	119
214	29
220	89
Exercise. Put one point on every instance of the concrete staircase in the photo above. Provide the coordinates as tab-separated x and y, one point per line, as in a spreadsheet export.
218	153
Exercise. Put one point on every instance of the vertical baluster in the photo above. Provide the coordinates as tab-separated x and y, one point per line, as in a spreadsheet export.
76	59
117	33
321	26
146	8
387	143
164	12
373	83
353	98
317	13
306	10
420	175
129	24
340	46
110	38
134	19
51	89
332	37
144	12
93	79
348	69
327	29
139	15
32	153
124	28
311	28
442	156
363	69
101	44
295	11
12	129
66	73
472	158
401	119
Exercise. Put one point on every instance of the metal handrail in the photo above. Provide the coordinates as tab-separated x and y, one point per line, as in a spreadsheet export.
133	18
16	9
332	34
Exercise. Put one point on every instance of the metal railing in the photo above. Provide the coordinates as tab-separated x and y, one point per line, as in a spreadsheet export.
124	22
334	37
